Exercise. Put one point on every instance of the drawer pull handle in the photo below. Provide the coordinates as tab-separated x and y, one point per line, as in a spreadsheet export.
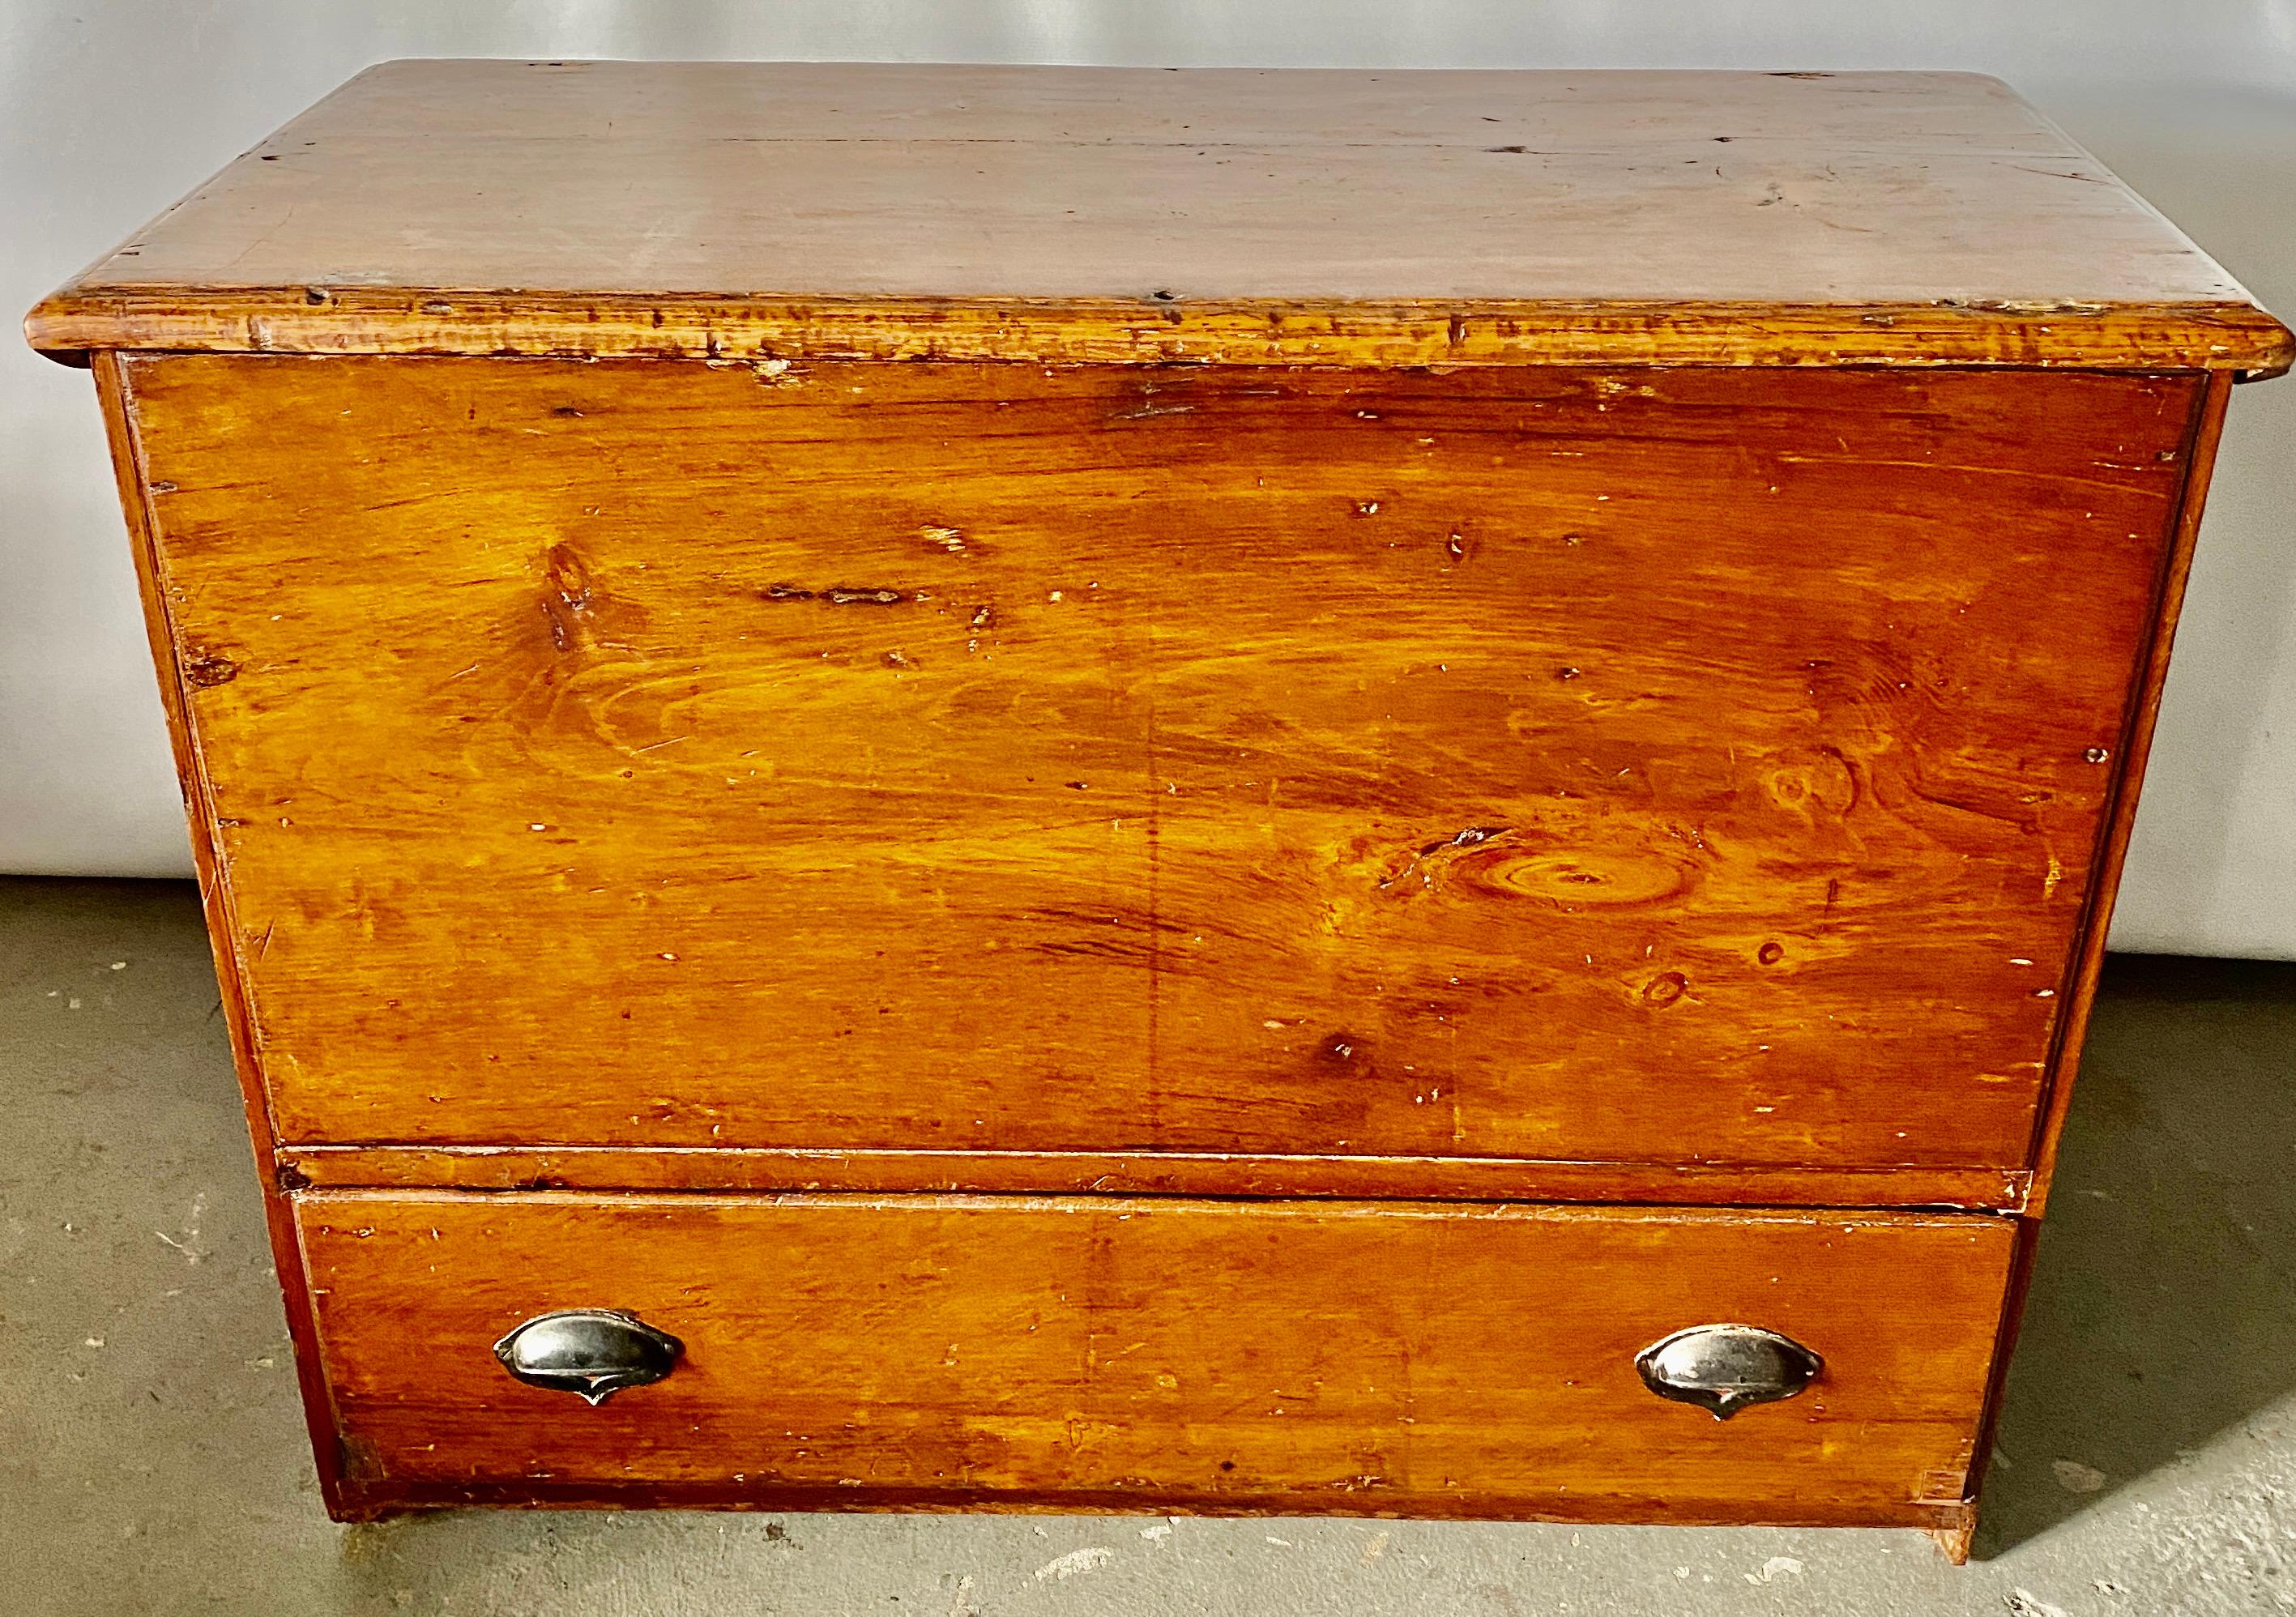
592	1353
1724	1369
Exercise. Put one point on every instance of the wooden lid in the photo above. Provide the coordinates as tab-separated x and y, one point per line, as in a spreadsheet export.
786	211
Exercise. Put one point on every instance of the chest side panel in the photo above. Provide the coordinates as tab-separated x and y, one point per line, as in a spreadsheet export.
1652	766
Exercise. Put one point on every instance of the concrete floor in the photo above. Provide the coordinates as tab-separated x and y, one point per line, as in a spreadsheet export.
152	1459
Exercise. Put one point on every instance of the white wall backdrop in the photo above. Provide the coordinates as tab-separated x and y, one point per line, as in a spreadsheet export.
111	109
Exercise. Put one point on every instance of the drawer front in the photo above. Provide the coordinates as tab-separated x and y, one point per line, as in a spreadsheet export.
1667	767
1411	1358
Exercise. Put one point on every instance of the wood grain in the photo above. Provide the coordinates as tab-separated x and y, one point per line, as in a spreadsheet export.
2232	336
802	211
1174	1356
1153	1173
1641	768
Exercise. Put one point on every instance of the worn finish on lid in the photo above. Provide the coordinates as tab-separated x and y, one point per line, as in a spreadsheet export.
1397	217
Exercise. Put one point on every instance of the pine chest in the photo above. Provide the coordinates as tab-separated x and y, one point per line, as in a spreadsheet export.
1213	791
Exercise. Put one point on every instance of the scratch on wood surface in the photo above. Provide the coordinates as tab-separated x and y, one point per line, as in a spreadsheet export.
836	595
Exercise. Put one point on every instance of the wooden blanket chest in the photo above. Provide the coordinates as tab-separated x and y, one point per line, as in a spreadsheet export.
1387	792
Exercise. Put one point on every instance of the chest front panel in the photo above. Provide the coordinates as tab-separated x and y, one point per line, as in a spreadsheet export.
1650	766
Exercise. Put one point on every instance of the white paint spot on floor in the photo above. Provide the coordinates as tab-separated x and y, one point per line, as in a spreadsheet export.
1156	1531
1776	1568
1075	1564
2024	1602
1374	1550
2074	1477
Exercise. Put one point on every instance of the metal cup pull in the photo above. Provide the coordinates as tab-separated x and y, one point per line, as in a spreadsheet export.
593	1353
1724	1369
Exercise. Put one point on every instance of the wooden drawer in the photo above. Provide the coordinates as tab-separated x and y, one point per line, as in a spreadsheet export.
1415	1358
1660	766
